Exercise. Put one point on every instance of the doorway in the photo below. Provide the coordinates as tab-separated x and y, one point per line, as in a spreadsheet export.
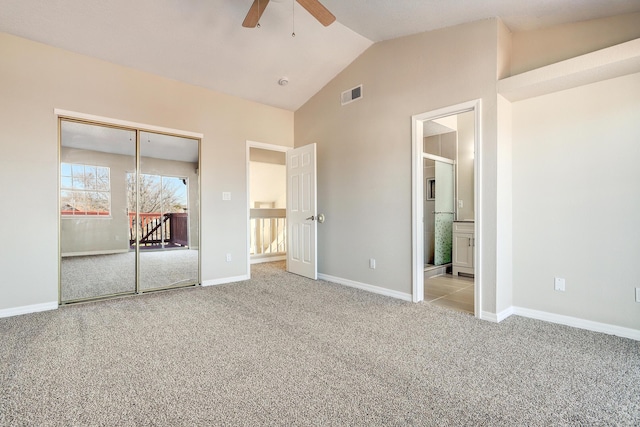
129	210
267	202
300	215
446	203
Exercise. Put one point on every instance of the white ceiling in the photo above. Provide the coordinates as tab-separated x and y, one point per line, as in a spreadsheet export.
202	42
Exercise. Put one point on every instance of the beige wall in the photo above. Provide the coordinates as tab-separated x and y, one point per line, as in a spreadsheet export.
525	276
537	48
504	189
364	148
268	183
464	166
442	144
35	79
575	201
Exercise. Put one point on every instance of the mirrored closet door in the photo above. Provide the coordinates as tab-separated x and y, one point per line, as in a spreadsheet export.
129	211
96	257
168	209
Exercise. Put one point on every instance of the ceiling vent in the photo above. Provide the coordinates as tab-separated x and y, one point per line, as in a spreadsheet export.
351	95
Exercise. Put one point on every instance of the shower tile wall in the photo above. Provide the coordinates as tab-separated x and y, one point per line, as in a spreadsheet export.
443	238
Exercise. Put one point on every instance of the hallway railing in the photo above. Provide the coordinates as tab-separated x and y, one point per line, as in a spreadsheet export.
268	228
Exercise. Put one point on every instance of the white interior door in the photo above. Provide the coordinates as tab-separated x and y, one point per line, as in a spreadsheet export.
301	211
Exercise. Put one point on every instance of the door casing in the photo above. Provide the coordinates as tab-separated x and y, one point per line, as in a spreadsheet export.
417	185
262	146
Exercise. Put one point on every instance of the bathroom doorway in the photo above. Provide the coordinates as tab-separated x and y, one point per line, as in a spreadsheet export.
445	202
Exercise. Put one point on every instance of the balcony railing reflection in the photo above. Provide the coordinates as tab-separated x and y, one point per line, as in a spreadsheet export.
158	230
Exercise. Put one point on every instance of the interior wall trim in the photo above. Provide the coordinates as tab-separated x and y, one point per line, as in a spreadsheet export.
124	123
576	322
268	259
608	63
497	317
366	287
26	309
225	280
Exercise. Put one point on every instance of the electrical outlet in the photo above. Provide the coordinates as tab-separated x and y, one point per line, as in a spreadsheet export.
637	294
558	284
460	204
228	257
372	263
226	195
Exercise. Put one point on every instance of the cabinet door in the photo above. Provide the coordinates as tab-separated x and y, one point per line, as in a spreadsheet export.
463	251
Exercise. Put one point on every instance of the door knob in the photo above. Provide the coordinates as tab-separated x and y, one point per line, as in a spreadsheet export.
319	218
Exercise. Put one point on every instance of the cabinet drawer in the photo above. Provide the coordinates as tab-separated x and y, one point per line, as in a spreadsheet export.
463	227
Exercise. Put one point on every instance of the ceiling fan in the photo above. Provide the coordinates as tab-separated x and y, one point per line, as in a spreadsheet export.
314	7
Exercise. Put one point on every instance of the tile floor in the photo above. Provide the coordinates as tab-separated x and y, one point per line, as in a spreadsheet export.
450	291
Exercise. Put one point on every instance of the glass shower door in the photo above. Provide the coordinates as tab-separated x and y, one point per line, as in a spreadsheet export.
444	212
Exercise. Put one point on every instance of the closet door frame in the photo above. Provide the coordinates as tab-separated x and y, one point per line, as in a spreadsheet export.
89	119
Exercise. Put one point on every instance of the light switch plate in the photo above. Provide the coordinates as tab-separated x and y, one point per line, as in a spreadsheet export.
226	195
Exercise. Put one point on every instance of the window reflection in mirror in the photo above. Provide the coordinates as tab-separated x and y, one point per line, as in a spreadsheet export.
112	215
168	211
96	258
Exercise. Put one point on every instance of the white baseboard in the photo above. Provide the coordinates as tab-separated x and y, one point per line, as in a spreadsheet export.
590	325
489	317
497	317
268	259
366	287
26	309
225	280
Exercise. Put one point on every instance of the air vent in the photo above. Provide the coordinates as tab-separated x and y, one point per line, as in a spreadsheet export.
351	95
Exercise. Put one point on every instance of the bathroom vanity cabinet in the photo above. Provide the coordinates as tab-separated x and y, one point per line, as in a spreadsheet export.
463	247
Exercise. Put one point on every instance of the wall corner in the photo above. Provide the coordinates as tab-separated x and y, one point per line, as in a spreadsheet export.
504	48
504	220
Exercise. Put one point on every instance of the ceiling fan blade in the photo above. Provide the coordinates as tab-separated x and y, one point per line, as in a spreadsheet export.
318	11
254	14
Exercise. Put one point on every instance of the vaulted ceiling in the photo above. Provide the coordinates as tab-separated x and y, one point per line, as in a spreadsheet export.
202	42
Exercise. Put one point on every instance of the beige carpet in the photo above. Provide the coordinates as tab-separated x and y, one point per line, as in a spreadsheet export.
283	350
94	276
